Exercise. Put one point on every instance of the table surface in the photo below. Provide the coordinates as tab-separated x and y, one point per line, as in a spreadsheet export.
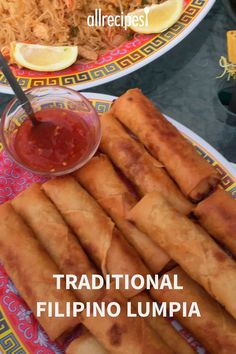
183	82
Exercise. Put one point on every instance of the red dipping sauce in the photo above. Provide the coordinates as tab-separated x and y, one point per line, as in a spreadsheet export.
59	143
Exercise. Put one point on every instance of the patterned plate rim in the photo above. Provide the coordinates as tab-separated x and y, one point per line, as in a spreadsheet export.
135	59
17	332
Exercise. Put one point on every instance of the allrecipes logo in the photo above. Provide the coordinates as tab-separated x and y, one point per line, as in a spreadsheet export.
125	21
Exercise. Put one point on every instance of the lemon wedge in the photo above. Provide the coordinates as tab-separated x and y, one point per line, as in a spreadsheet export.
44	58
156	18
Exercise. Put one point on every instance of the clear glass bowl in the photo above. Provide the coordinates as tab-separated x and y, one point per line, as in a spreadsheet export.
45	97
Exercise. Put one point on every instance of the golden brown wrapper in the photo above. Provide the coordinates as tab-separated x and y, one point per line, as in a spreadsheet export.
163	327
85	344
146	173
31	270
215	329
192	173
56	237
217	214
95	230
122	334
190	246
101	180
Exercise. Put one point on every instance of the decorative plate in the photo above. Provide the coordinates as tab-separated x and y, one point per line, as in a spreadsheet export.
118	62
20	333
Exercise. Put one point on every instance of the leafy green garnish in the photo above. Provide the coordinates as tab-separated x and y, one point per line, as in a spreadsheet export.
129	36
74	31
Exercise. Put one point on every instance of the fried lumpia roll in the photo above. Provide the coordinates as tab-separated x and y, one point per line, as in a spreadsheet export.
192	173
95	230
31	270
217	214
51	230
190	246
146	173
101	180
163	327
215	329
122	334
85	344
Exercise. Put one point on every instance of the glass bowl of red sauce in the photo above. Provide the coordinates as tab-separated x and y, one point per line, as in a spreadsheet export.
67	136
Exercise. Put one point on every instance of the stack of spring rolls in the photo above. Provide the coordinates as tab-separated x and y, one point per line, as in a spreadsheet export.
127	211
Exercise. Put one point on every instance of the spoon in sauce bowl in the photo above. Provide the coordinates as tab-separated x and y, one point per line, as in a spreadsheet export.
21	96
49	139
72	136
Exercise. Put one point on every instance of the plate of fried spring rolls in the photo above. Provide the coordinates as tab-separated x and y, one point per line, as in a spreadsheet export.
165	143
216	328
55	221
190	246
115	335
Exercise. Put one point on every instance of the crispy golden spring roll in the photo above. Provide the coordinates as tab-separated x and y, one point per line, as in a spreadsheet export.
85	344
164	328
217	214
190	246
31	270
95	230
122	334
215	329
105	185
192	173
51	230
138	166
